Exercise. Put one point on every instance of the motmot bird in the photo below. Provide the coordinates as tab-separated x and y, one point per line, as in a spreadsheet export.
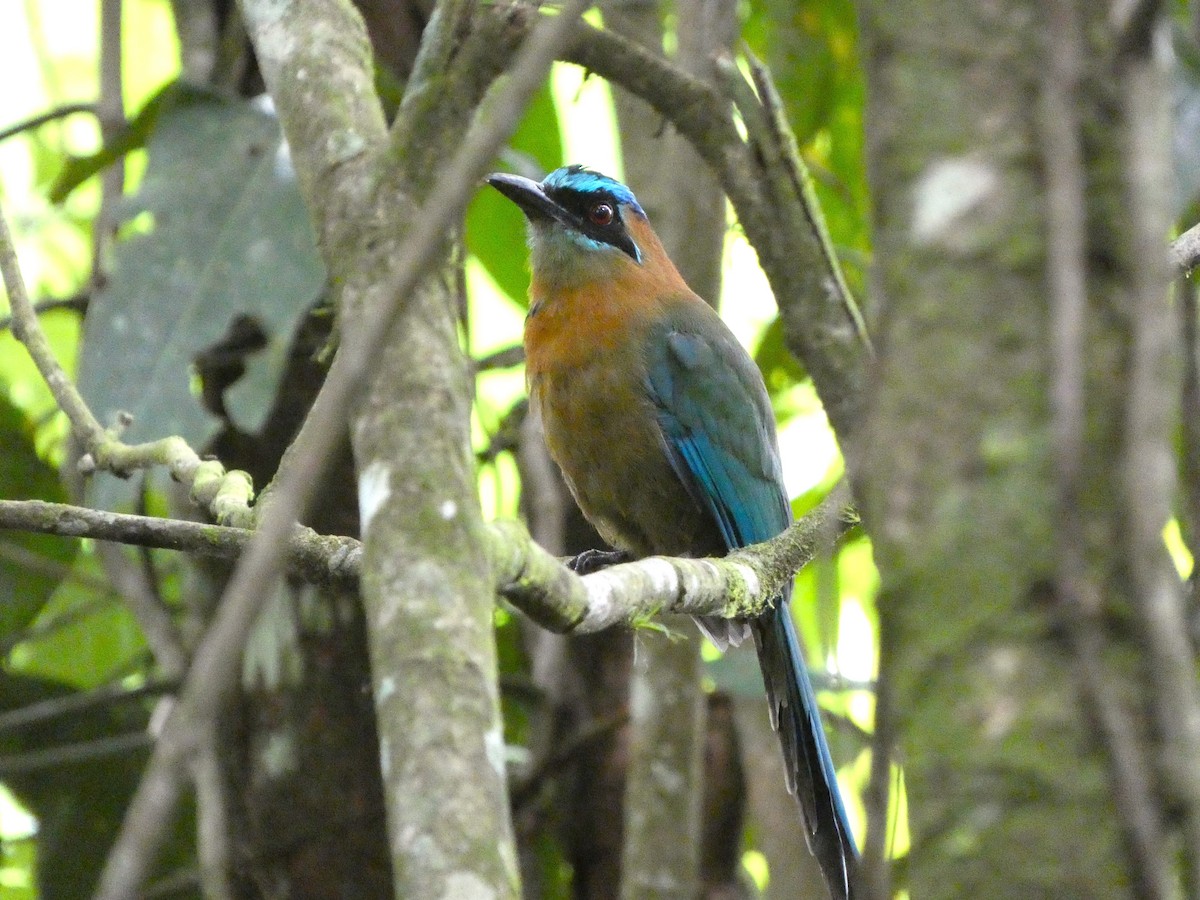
661	424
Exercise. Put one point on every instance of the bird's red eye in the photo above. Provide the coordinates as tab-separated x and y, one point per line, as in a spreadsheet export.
601	214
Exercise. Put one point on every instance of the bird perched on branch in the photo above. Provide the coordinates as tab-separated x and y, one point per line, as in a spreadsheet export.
663	429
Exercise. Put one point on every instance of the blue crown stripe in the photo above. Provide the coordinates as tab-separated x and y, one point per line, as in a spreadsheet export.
586	181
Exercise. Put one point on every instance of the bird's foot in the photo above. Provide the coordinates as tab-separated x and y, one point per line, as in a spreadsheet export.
590	561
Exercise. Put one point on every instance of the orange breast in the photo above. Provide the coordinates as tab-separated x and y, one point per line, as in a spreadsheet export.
586	366
569	324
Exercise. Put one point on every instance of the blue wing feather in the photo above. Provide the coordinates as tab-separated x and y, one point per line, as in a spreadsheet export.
718	432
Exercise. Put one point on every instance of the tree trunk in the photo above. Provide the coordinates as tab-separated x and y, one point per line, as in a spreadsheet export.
1009	780
664	793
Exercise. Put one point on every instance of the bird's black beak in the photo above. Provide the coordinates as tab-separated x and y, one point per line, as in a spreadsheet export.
528	194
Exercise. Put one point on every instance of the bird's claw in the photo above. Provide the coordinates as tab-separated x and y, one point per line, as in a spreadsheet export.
590	561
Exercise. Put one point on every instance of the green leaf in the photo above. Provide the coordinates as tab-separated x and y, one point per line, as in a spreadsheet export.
227	236
134	136
31	565
495	228
82	636
799	41
811	48
781	371
18	869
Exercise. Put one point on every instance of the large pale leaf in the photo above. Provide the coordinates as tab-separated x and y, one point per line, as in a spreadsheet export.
222	233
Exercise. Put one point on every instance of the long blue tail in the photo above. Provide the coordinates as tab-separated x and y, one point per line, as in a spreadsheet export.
808	765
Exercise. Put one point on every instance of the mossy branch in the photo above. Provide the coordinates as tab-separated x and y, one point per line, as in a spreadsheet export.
314	558
540	585
743	584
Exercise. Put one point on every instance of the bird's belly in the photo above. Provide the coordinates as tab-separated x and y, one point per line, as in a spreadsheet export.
603	433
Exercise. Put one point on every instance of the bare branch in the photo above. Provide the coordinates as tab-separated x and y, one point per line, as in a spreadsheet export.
790	181
71	754
79	702
33	561
26	329
533	580
1184	251
212	820
505	358
78	302
61	112
110	111
878	796
318	559
740	585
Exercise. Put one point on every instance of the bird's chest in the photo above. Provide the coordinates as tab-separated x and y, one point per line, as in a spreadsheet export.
602	430
594	415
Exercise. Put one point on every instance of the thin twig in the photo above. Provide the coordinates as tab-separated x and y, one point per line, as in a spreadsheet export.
212	820
153	617
110	110
225	495
501	359
878	796
72	754
527	789
61	112
71	704
77	302
318	559
33	561
26	329
48	625
774	130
